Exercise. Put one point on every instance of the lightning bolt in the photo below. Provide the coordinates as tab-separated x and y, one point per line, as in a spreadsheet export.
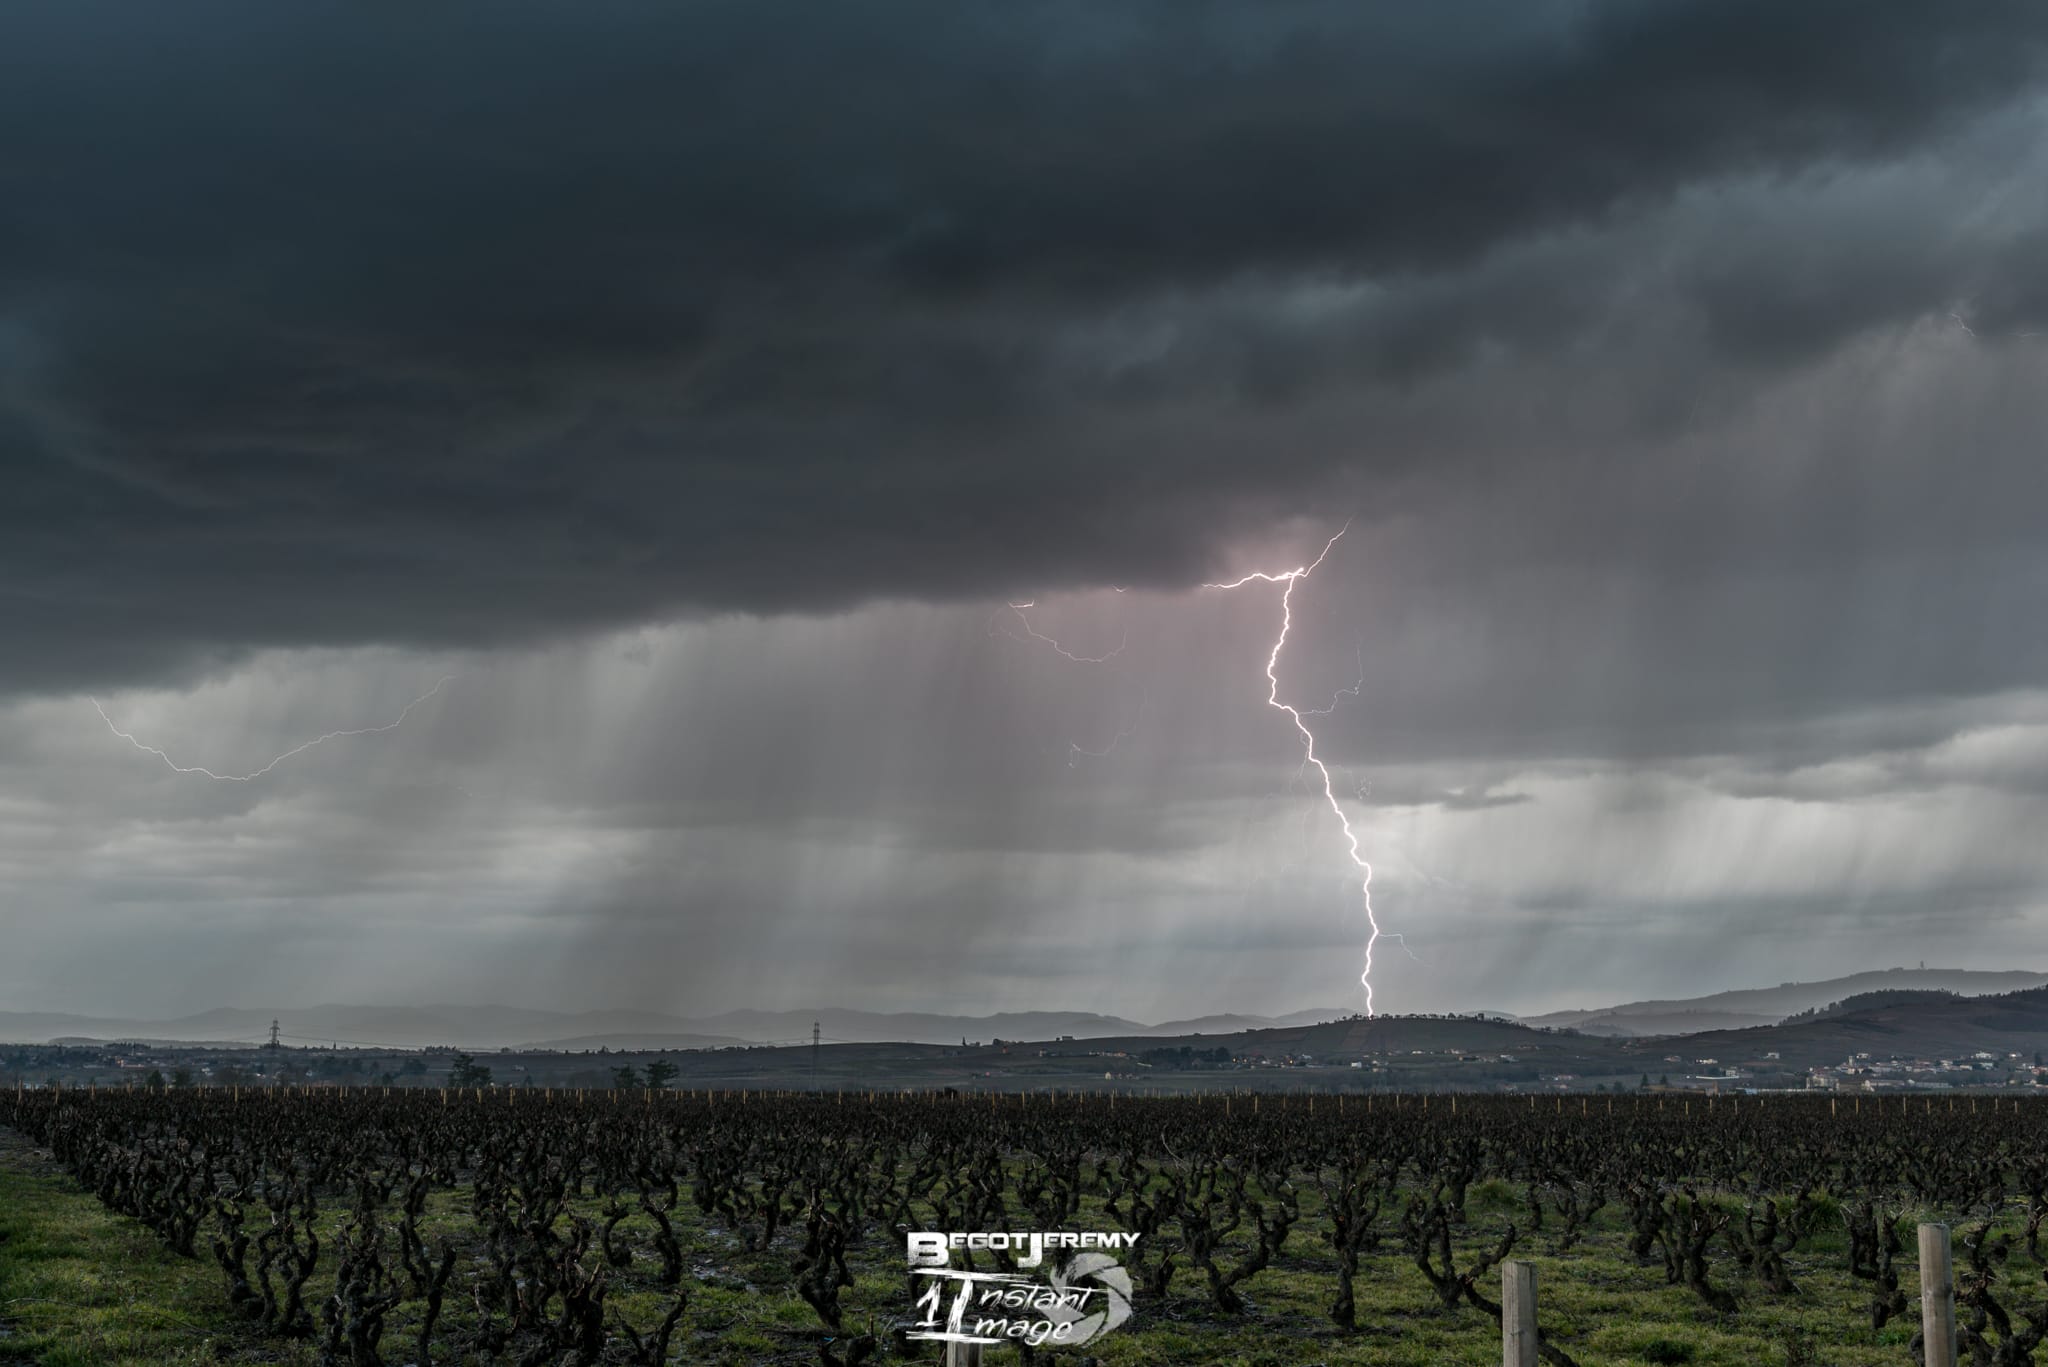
1402	941
1035	634
1289	579
1076	751
295	750
1351	692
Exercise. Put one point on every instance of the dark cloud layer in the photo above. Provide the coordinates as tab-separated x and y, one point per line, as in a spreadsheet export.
1677	365
459	324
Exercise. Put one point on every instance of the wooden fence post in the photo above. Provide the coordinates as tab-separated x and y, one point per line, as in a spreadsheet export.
1518	1314
1937	1297
963	1355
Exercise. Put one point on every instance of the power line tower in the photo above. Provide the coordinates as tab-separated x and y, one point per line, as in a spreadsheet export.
814	1054
273	1035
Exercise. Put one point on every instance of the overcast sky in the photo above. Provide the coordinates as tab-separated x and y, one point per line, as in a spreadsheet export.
692	386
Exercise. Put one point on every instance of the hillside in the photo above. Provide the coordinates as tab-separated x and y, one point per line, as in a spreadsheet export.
1907	1003
1747	1007
492	1027
1953	1027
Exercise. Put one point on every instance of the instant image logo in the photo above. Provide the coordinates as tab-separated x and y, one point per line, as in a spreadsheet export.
1078	1299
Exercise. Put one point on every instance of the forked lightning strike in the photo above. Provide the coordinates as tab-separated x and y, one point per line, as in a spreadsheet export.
295	750
1308	739
1295	714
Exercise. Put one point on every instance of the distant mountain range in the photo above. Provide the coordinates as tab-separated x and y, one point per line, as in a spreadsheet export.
1912	1025
491	1027
479	1027
1748	1007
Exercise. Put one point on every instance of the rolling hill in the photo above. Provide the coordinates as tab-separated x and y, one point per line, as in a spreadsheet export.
1748	1007
491	1027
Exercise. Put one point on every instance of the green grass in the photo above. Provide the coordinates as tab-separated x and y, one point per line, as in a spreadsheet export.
82	1287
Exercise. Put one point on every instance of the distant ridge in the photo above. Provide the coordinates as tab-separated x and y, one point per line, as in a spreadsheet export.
481	1027
492	1027
1744	1008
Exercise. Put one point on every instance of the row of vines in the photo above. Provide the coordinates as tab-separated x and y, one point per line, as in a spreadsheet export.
486	1228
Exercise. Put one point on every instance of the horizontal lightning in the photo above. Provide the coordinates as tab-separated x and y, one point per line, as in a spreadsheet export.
295	750
1035	634
1077	751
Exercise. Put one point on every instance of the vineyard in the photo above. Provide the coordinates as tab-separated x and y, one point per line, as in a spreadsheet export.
536	1227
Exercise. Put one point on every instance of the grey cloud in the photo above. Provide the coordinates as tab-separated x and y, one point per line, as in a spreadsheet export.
1465	800
454	327
495	841
1671	360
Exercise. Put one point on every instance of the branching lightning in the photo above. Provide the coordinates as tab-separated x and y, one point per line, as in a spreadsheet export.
1298	715
1289	579
1077	751
1035	634
295	750
1351	692
1402	941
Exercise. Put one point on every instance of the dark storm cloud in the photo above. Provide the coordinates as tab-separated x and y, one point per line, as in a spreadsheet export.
452	324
